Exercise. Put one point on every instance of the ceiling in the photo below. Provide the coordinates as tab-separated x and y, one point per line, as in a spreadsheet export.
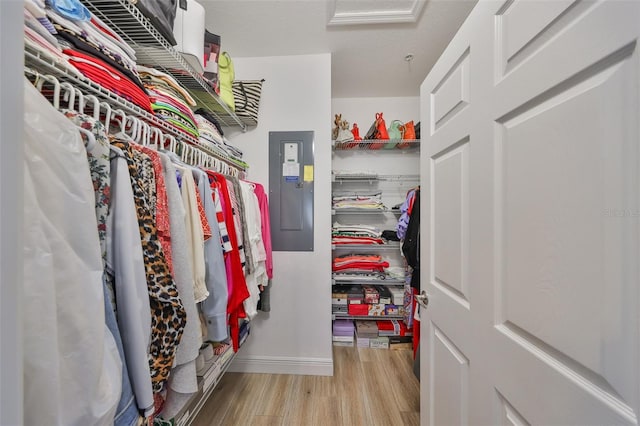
368	39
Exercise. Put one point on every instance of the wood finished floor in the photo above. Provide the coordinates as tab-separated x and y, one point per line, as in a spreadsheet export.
369	387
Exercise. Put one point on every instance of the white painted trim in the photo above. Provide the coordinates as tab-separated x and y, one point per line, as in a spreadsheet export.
11	208
283	365
377	16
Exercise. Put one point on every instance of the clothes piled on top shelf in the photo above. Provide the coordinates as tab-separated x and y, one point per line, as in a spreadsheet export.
355	234
169	100
78	38
155	257
38	35
211	132
211	135
360	200
359	263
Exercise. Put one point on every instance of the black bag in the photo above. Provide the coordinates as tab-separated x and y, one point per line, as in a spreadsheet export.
247	98
161	14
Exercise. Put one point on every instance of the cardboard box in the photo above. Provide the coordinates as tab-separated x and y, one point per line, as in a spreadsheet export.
362	342
391	310
343	340
343	327
385	294
397	295
376	310
366	328
379	343
371	295
361	310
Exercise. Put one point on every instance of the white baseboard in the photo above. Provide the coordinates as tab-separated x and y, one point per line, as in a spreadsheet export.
282	365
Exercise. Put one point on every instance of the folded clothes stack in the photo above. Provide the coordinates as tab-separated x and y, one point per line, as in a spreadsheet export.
359	262
169	100
39	36
71	35
355	234
360	200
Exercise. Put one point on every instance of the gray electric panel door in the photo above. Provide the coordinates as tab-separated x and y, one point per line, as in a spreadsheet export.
291	190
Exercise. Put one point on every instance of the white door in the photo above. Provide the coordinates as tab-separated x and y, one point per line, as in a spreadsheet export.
530	217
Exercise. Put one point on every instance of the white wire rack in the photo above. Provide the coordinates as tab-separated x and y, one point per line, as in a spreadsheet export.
152	49
345	178
376	145
40	63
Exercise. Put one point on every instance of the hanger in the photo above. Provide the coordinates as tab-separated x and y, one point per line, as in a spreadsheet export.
69	94
131	123
123	120
136	129
90	141
172	143
95	104
157	140
40	80
107	114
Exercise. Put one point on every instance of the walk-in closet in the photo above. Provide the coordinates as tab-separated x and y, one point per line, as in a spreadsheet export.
320	212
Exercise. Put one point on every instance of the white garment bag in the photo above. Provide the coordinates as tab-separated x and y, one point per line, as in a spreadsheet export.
72	370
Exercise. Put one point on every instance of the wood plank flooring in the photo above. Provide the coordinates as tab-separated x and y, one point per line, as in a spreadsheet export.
369	387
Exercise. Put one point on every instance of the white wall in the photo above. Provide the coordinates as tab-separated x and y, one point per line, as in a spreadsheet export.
11	92
295	337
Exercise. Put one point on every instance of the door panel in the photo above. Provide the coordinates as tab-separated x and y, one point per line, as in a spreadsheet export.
450	383
449	226
531	247
555	172
507	414
451	95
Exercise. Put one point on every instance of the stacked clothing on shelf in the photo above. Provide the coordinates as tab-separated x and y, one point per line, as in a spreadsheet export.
358	200
209	131
359	263
89	45
355	234
359	276
38	35
169	100
211	135
164	255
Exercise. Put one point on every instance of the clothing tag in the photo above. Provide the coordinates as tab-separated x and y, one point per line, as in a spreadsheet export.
183	4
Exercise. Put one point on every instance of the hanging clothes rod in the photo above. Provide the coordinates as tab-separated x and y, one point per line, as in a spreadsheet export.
64	95
37	62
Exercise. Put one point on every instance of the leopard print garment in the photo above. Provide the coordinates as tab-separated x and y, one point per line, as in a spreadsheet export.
168	316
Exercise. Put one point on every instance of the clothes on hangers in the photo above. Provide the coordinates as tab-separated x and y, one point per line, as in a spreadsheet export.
183	377
151	319
125	271
72	368
236	283
168	316
214	308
